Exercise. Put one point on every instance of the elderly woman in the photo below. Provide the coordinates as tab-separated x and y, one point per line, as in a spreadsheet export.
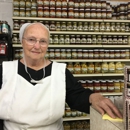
34	89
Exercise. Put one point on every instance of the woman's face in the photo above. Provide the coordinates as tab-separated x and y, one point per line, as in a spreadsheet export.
33	49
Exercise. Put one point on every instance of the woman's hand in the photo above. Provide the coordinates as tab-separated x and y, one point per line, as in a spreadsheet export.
104	105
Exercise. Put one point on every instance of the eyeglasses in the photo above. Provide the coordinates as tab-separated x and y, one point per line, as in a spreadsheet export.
32	41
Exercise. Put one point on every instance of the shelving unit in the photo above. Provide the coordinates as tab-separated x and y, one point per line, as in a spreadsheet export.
84	46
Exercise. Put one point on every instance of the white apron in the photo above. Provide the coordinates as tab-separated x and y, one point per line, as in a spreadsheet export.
24	106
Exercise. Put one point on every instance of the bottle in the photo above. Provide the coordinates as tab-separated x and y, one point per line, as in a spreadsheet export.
28	4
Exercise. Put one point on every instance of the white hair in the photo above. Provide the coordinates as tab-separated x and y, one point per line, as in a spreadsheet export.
24	27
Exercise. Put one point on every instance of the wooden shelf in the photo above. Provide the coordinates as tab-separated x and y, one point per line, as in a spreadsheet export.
112	94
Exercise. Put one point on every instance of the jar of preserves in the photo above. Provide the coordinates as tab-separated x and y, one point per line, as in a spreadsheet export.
39	3
103	14
16	3
74	54
58	12
64	3
69	26
74	26
52	13
94	40
68	54
76	4
96	27
106	54
115	40
51	54
112	54
63	26
16	12
97	86
118	27
83	39
28	12
72	39
110	85
58	3
70	67
34	3
91	27
90	85
70	3
117	86
28	4
103	86
89	40
109	40
112	27
123	54
103	4
117	54
22	4
111	67
104	67
104	40
46	23
52	26
99	39
81	4
122	27
98	12
64	13
33	12
16	25
40	11
77	40
108	27
46	12
96	54
127	53
85	26
93	14
52	3
77	68
67	112
63	54
127	28
119	41
67	39
119	67
57	54
80	26
14	39
61	39
102	27
56	39
79	54
125	40
85	54
76	13
122	85
87	13
51	40
81	13
70	13
101	53
97	67
90	54
22	12
90	68
84	68
98	4
58	26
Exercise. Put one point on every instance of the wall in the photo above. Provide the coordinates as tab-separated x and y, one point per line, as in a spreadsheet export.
6	11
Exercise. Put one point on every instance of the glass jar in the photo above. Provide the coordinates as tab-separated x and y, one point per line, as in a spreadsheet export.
85	54
110	85
57	54
69	26
72	39
83	39
112	54
40	12
96	27
119	41
33	12
90	54
103	14
51	54
76	13
80	26
119	67
64	13
28	4
122	28
34	3
22	12
67	39
70	13
77	68
102	27
101	53
63	54
109	40
94	40
104	40
115	40
77	40
28	12
96	54
99	15
58	26
117	86
90	85
107	27
81	13
79	54
84	68
74	26
52	3
16	12
87	14
103	86
112	27
93	14
74	54
111	67
85	26
61	39
90	68
91	27
106	54
58	3
96	86
63	26
127	54
52	13
39	3
118	27
52	26
89	40
16	25
99	39
22	4
104	67
56	39
70	67
123	54
16	3
51	39
14	39
70	3
109	14
125	40
46	12
68	54
97	67
58	13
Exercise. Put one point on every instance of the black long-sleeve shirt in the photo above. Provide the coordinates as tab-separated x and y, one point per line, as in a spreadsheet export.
76	96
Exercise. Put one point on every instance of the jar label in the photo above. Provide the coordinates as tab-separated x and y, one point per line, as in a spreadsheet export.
58	14
58	3
33	13
34	4
64	3
52	14
39	2
46	3
16	13
40	13
76	5
52	3
28	4
22	14
70	14
64	14
16	3
70	3
22	4
46	14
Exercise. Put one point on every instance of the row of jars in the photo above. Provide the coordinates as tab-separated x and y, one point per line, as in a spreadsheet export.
76	125
104	85
95	67
78	26
89	39
63	3
81	54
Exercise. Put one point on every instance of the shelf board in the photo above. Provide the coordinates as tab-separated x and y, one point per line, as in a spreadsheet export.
78	60
112	94
77	118
116	46
113	74
116	60
69	19
115	33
